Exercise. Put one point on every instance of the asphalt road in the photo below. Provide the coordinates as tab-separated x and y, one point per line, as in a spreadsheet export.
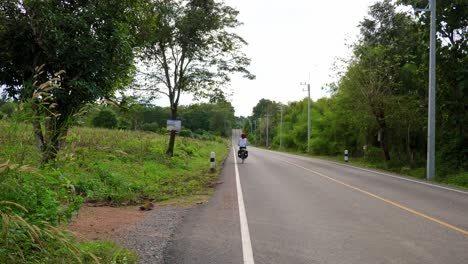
303	210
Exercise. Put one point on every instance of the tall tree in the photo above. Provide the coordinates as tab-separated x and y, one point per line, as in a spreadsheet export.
383	50
452	77
89	42
261	110
192	50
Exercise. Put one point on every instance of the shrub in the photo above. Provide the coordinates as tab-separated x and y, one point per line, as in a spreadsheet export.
152	127
8	108
320	146
31	206
185	132
105	118
460	179
48	197
373	154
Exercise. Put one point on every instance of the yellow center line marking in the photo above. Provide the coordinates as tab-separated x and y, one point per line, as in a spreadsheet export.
465	232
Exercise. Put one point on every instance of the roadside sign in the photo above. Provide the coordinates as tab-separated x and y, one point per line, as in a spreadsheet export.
174	125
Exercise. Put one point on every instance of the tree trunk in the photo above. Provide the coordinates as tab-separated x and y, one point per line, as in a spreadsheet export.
53	145
49	138
380	117
384	143
409	150
170	148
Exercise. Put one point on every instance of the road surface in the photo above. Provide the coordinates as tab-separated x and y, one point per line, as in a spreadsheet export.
282	208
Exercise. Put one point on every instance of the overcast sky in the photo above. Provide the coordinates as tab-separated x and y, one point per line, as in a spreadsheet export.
287	41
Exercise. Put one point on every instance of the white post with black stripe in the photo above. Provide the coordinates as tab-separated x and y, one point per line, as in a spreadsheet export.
346	155
212	161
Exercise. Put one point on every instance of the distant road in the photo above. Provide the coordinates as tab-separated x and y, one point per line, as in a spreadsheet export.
303	210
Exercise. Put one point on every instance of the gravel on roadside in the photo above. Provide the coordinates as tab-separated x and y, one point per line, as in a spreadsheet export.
150	236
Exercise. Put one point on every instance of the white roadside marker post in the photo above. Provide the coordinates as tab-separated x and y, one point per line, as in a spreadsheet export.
346	155
212	161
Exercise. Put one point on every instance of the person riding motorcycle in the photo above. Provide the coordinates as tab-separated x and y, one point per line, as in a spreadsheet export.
243	145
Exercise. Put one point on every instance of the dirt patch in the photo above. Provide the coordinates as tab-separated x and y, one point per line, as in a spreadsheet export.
104	223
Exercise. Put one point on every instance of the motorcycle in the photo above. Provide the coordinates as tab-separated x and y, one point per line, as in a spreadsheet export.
243	154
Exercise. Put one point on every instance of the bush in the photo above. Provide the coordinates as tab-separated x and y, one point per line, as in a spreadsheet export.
152	127
185	132
460	179
124	124
320	146
48	198
105	118
31	206
373	154
8	108
395	165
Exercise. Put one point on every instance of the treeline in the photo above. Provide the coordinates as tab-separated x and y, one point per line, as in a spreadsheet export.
201	120
378	108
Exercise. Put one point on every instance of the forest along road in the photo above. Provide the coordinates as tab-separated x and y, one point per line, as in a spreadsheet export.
301	210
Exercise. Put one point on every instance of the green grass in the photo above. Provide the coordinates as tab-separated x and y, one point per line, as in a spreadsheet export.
111	166
107	252
121	166
457	180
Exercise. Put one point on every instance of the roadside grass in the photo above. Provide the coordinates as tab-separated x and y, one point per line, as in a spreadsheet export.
459	180
129	166
119	166
107	252
96	165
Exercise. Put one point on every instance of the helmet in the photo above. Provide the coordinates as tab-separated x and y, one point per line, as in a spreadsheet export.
243	136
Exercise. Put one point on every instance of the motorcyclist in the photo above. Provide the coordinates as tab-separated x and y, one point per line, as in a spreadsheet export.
242	145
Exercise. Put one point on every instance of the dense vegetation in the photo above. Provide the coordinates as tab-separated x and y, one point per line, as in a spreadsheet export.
201	120
61	55
61	64
378	108
101	165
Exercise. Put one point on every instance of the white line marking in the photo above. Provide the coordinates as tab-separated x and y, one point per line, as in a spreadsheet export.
245	235
403	178
373	171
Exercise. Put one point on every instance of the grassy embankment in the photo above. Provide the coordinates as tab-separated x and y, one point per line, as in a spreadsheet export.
99	165
459	180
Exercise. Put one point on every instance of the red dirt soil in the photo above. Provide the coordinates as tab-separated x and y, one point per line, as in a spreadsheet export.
103	222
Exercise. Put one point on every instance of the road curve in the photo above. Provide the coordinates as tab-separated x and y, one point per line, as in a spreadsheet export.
304	210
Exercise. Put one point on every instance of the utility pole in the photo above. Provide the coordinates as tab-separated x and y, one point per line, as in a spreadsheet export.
255	128
260	129
281	126
308	115
267	136
431	117
432	96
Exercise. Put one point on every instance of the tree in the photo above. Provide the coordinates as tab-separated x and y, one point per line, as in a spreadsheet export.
263	108
192	49
216	117
452	78
90	43
105	118
384	48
